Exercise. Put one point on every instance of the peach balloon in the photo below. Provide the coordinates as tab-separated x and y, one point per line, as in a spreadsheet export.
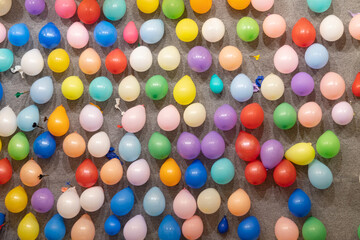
184	204
111	172
239	203
193	228
89	61
354	27
332	86
168	118
310	114
83	228
230	58
286	229
274	26
262	5
74	145
31	173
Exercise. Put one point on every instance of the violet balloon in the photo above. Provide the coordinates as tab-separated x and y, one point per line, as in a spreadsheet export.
42	200
271	154
199	59
213	145
188	146
35	7
302	84
225	117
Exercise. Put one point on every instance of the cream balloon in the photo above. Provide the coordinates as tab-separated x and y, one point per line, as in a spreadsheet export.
331	28
129	89
272	87
135	228
7	122
195	115
32	63
141	59
138	173
83	229
99	144
5	6
92	199
111	172
213	30
68	204
209	201
184	204
169	58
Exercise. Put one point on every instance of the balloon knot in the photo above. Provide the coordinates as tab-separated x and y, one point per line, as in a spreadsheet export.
17	69
259	80
111	154
119	126
41	176
2	225
63	189
257	57
353	14
255	88
117	106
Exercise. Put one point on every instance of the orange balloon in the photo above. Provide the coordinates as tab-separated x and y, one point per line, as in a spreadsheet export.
31	173
111	172
200	6
170	173
58	122
239	203
83	228
89	61
239	4
193	228
230	58
74	145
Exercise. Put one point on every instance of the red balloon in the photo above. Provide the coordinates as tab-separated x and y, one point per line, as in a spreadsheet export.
247	146
5	170
252	116
88	11
86	174
356	85
255	173
303	33
116	61
285	173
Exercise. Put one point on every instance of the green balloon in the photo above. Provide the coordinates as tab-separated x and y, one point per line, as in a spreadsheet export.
247	29
328	145
359	232
18	147
313	229
284	116
156	87
173	9
159	146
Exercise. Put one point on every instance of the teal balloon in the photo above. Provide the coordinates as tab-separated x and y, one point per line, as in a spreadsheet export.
222	171
55	228
216	84
320	175
122	202
114	9
42	90
28	118
100	89
154	202
6	59
129	147
169	229
319	6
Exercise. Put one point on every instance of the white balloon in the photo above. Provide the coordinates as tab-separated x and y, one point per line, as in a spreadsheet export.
135	228
7	122
272	87
129	89
92	199
141	59
32	63
169	58
68	204
91	118
138	173
99	144
5	6
331	28
213	30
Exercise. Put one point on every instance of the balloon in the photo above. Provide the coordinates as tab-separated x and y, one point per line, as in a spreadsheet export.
320	175
6	59
55	228
92	199
247	146
99	144
168	118
2	32
241	88
65	8
331	28
299	203
5	6
156	87
184	91
32	63
332	86
74	145
88	11
272	152
213	145
159	146
239	5
58	60
249	228
105	33
152	31
5	170
274	25
42	200
130	33
1	93
169	58
286	59
355	86
252	116
342	113
89	60
84	227
2	219
7	122
223	226
135	228
18	34
187	30
77	35
310	114
173	9
16	200
230	59
112	225
195	115
0	145
247	29
286	229
354	27
213	30
170	173
328	145
91	118
18	147
193	228
216	84
255	172
184	204
129	89
225	117
316	56
134	119
122	202
302	84
31	173
154	202
111	172
28	118
284	173
319	6
199	59
188	146
68	204
72	88
138	173
239	203
262	5
147	6
222	171
141	59
28	227
49	35
169	229
200	6
129	147
116	61
272	87
313	229
86	174
114	10
42	90
35	7
303	33
284	116
209	201
195	174
300	154
44	145
58	122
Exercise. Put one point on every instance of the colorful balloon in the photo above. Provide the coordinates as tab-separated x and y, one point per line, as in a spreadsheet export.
105	33
247	29
32	63
328	144
319	6
5	170
89	60
147	6
199	59
213	30
99	144
313	229
91	118
249	228
195	115
122	202
5	7
42	90
223	226
65	8
28	118
111	172
209	201
138	173
272	87
170	173
49	36
247	146
86	174
74	145
44	145
58	122
284	173
303	33
230	58
342	113
130	33
88	11
28	227
19	147
284	116
114	10
55	228
84	227
286	59
316	56
116	61
225	117
302	84
42	200
188	146
169	229
77	35
332	86
241	88
92	199
112	225
18	34
129	147
72	88
35	7
310	114
141	59
68	204
252	116
300	153
239	203
8	122
169	58
299	203
58	60
200	6
216	84
222	171
184	91
271	154
173	9
6	59
135	228
156	87
239	5
195	174
129	89
354	27
331	28
274	25
320	175
184	204
2	32
255	172
193	228
154	202
134	119
159	146
168	118
213	145
286	229
187	30
152	31
16	200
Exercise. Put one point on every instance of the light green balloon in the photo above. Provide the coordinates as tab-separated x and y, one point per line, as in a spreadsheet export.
173	9
313	229
100	89
247	29
284	116
156	87
222	171
328	145
18	147
114	9
159	146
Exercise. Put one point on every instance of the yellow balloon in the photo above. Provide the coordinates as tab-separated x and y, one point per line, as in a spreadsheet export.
301	154
58	122
239	4
28	228
147	6
184	91
0	145
16	200
72	88
58	60
187	30
170	173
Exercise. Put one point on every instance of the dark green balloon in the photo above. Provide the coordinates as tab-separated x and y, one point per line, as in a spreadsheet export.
18	147
156	87
328	145
159	146
313	229
247	29
284	116
173	9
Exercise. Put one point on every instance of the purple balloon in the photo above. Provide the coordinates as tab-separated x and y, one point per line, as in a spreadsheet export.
225	117
302	84
35	7
213	145
271	154
42	200
188	146
199	59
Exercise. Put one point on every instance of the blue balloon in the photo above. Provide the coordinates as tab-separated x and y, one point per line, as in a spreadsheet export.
114	9
249	229
195	174
28	118
154	202
42	90
122	202
319	6
100	89
129	147
169	229
6	59
112	225
319	175
316	56
105	34
44	145
1	91
55	228
2	218
299	203
18	34
216	84
223	226
49	36
152	31
222	171
241	88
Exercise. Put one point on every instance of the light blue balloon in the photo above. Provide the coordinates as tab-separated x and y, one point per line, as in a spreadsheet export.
6	59
319	175
122	202
319	6
42	90
101	89
129	147
114	9
216	84
27	117
241	88
55	228
222	171
154	202
169	229
316	56
152	31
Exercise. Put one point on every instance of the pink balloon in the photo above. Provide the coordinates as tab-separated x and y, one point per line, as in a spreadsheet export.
77	35
342	113
134	119
91	119
286	229
168	118
354	27
286	59
130	33
262	5
65	8
332	86
135	228
274	26
310	114
193	228
2	32
184	204
138	173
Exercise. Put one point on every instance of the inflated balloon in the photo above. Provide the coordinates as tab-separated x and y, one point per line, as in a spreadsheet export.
5	170
247	29
303	33
65	8
222	171
28	118
88	11
135	228
320	175
55	228
286	59
199	59
58	122
84	227
16	200
91	118
355	86
72	88
285	116
173	9
184	91
239	203
331	28
129	89
195	115
100	89
18	147
310	114
230	58
99	144
129	147
213	30
193	228
35	7
209	201
92	199
342	113
32	63
154	202
252	116
187	30
28	227
2	32
213	145
241	88
168	118
31	173
272	87
313	229
147	6
328	144
6	59
332	86
89	60
111	172
77	35
1	94
105	33
225	117
170	173
141	59
216	84
159	146
239	5
18	34
7	122
74	145
2	219
44	145
262	5
316	56
247	146
112	225
188	146
49	36
255	172
5	6
86	174
319	6
284	173
134	119
114	9
195	174
184	204
138	173
249	228
42	200
156	87
58	60
300	153
169	58
116	61
271	154
354	27
152	31
169	229
122	202
130	33
223	226
200	6
68	204
299	203
302	84
274	25
286	229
